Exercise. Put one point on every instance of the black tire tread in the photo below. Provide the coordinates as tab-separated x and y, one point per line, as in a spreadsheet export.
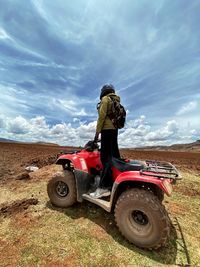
149	199
68	178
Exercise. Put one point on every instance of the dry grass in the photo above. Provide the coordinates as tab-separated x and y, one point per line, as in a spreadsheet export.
86	235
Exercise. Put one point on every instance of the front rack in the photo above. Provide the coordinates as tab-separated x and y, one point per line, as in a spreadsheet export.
161	169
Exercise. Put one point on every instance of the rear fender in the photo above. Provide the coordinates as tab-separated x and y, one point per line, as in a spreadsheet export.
136	176
135	179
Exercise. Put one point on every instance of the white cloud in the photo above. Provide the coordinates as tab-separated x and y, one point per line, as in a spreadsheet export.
64	133
81	112
193	132
140	133
59	129
76	120
70	106
35	129
3	34
138	122
40	9
137	132
19	125
2	124
164	133
188	107
86	131
39	122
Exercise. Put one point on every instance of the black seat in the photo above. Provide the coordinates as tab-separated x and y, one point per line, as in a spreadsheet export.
132	165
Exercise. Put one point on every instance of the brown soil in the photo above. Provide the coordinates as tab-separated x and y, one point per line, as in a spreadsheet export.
17	206
13	160
177	208
187	161
15	157
188	191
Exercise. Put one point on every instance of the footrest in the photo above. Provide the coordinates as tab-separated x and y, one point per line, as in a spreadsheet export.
106	205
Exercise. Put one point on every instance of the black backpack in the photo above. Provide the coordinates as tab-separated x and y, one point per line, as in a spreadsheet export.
118	114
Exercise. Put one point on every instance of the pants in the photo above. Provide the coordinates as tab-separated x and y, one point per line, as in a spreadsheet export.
109	149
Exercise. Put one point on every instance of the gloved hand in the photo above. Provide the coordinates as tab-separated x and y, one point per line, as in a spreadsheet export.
96	137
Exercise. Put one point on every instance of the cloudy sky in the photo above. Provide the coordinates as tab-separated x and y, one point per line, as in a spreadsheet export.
56	55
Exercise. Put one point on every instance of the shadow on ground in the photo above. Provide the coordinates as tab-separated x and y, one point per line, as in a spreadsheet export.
165	255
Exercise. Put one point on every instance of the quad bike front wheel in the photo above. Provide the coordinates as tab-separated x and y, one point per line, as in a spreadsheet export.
142	218
61	189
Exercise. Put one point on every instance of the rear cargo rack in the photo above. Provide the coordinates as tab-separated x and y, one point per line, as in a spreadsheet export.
161	169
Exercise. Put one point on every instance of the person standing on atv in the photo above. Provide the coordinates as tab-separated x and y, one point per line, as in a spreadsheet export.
109	143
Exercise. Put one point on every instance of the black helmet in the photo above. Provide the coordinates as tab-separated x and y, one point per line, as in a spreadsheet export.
107	89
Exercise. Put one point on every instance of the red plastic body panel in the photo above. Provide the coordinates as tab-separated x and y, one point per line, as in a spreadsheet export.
136	176
84	160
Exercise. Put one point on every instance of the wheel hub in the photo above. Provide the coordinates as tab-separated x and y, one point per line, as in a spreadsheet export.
62	189
140	217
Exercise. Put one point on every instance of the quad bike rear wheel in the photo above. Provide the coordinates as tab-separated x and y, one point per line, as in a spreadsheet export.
61	189
142	218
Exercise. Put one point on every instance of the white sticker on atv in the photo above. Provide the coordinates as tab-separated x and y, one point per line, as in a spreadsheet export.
83	164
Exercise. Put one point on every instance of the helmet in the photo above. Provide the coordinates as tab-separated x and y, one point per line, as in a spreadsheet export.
107	89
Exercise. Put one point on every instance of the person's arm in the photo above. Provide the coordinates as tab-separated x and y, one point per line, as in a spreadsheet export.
102	114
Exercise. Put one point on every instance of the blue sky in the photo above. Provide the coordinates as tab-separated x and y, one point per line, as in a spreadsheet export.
56	55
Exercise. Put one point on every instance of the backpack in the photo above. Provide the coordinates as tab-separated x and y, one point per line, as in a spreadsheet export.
118	114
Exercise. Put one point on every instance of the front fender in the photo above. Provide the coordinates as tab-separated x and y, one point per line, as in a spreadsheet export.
79	163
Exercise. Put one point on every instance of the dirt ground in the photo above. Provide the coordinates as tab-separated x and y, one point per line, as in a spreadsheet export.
26	216
15	157
187	161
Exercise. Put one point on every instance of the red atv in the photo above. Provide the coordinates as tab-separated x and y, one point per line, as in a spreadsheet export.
136	196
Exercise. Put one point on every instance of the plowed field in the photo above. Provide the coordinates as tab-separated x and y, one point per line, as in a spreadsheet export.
188	161
15	157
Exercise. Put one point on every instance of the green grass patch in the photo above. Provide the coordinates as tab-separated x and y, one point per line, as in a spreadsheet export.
86	235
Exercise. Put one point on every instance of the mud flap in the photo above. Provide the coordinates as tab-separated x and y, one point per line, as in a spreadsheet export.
83	183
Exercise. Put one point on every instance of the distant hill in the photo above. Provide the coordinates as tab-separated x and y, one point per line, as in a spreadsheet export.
38	143
7	140
46	143
191	147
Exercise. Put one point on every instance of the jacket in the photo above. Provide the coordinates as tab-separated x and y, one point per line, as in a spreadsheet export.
103	122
